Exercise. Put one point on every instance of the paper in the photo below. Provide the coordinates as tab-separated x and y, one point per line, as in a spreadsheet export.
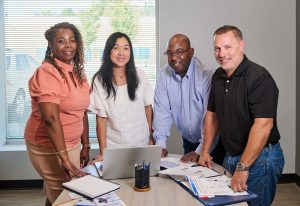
213	186
90	186
170	162
94	169
190	171
109	199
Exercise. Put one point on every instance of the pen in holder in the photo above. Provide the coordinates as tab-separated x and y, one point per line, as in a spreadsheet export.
142	179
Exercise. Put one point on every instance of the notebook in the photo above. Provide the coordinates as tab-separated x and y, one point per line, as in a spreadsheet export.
119	162
90	186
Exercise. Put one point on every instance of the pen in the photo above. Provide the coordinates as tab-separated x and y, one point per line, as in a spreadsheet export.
214	175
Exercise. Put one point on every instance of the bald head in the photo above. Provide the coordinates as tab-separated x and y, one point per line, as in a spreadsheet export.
179	53
180	38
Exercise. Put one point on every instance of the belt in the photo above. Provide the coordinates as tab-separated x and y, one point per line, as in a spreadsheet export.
271	143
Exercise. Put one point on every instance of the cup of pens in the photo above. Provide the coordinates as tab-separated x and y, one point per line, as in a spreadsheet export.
142	179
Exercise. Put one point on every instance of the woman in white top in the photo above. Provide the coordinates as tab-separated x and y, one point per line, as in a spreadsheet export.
121	97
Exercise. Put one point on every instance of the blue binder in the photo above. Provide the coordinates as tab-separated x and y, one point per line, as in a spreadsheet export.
218	200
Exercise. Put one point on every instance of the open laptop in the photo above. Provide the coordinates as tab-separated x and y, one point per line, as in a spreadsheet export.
120	162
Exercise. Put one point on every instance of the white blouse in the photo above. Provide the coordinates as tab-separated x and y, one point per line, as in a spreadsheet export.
126	123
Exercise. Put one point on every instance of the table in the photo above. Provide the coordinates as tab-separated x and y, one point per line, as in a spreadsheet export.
164	191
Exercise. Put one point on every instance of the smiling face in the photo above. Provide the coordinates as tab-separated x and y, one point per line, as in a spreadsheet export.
228	51
120	53
179	54
64	45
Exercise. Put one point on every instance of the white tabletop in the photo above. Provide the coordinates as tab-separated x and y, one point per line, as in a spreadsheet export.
164	191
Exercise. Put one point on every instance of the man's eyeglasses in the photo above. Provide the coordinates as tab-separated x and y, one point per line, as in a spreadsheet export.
177	53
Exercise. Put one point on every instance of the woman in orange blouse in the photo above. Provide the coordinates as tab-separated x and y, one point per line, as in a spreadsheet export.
58	123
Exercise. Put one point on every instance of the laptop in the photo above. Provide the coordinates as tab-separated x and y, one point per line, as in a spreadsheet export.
120	162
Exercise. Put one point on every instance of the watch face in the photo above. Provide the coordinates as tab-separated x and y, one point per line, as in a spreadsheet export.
241	167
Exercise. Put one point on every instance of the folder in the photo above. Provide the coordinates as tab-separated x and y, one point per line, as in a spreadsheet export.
90	186
217	200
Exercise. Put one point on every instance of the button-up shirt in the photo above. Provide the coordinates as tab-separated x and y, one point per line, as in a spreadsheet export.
182	100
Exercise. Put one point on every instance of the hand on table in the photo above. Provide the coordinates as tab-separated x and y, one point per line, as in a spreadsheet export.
205	160
239	181
98	158
69	167
190	157
164	152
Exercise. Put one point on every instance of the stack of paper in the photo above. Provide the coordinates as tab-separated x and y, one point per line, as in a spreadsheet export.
190	171
170	162
212	186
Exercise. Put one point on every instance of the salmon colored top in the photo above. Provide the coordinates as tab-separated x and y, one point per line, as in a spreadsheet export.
47	85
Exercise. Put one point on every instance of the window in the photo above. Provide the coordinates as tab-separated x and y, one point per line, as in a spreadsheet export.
25	22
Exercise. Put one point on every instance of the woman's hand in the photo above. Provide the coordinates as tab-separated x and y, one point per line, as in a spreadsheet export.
98	158
84	156
151	140
69	167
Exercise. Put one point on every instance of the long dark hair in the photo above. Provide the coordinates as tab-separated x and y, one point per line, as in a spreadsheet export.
105	73
79	56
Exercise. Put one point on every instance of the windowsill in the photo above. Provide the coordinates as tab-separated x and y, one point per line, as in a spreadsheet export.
19	145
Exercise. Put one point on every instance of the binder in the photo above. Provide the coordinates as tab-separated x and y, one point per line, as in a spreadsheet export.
90	186
218	200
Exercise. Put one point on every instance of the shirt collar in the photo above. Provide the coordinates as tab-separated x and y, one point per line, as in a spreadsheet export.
63	65
189	71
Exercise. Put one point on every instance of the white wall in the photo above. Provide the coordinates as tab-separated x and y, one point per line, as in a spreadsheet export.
269	28
298	89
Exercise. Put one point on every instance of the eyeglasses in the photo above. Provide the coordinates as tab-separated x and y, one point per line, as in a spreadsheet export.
177	53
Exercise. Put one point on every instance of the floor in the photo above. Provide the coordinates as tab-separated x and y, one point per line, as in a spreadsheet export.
286	195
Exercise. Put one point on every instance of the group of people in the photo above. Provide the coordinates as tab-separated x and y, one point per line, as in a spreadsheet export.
227	116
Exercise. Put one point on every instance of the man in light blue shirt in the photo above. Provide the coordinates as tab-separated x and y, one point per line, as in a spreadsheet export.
181	95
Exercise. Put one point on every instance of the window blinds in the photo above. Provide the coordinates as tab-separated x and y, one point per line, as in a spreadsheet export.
25	22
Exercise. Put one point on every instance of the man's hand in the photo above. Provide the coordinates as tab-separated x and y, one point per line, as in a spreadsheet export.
164	152
190	157
239	181
205	160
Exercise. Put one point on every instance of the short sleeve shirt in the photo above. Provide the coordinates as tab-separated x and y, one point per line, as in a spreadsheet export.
47	85
126	123
249	93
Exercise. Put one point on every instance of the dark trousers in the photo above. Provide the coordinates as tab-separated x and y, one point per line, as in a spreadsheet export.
217	154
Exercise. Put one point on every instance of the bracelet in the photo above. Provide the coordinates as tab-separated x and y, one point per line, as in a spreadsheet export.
62	151
88	145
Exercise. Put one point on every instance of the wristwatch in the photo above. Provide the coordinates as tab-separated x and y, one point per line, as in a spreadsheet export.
241	167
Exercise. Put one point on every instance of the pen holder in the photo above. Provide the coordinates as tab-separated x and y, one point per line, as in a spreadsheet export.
142	179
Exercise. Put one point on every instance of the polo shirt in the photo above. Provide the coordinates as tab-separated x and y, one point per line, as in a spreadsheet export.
249	93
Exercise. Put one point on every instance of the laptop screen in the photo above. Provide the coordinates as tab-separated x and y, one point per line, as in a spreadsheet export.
120	162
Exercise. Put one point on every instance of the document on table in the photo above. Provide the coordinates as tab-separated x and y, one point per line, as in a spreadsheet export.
95	169
198	171
110	199
212	186
170	162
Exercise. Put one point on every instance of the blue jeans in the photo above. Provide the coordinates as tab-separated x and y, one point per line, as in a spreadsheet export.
263	174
